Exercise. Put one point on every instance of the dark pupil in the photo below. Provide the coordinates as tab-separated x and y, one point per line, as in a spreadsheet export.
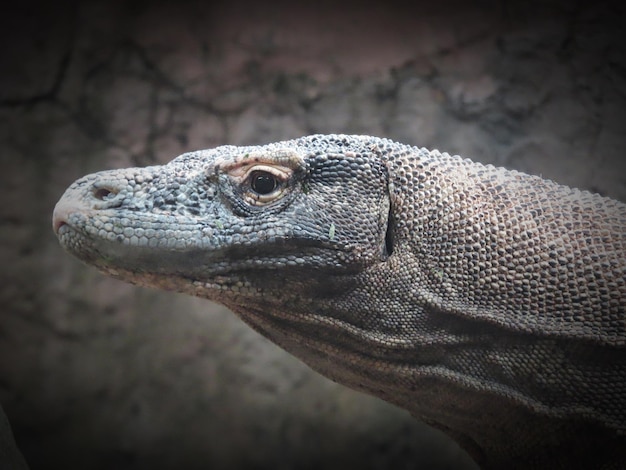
263	183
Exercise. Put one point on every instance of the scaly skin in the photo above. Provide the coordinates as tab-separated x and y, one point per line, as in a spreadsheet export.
489	303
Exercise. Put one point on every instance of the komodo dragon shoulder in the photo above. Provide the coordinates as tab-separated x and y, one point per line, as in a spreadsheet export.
489	303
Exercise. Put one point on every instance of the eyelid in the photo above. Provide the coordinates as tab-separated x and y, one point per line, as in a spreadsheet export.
243	172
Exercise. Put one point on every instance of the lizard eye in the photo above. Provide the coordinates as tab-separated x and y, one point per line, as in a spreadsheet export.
263	185
263	182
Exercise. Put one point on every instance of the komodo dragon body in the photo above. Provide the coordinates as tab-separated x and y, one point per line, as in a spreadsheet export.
489	303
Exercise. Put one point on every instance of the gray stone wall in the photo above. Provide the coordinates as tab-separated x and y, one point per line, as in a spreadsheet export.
98	374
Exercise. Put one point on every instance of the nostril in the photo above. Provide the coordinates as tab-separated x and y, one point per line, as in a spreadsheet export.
104	193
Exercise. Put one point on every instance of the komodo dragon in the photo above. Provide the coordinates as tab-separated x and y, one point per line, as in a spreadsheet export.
489	303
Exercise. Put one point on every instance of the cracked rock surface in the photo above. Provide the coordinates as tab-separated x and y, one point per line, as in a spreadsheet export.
99	374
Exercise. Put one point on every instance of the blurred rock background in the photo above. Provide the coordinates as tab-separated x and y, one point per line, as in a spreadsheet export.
98	374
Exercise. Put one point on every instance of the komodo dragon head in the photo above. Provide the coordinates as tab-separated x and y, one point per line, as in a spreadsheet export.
487	302
251	227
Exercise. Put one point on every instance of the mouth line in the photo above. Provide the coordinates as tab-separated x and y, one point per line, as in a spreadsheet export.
202	261
57	224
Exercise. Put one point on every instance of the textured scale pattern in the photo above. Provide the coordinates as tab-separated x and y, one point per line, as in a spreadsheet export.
486	227
487	302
